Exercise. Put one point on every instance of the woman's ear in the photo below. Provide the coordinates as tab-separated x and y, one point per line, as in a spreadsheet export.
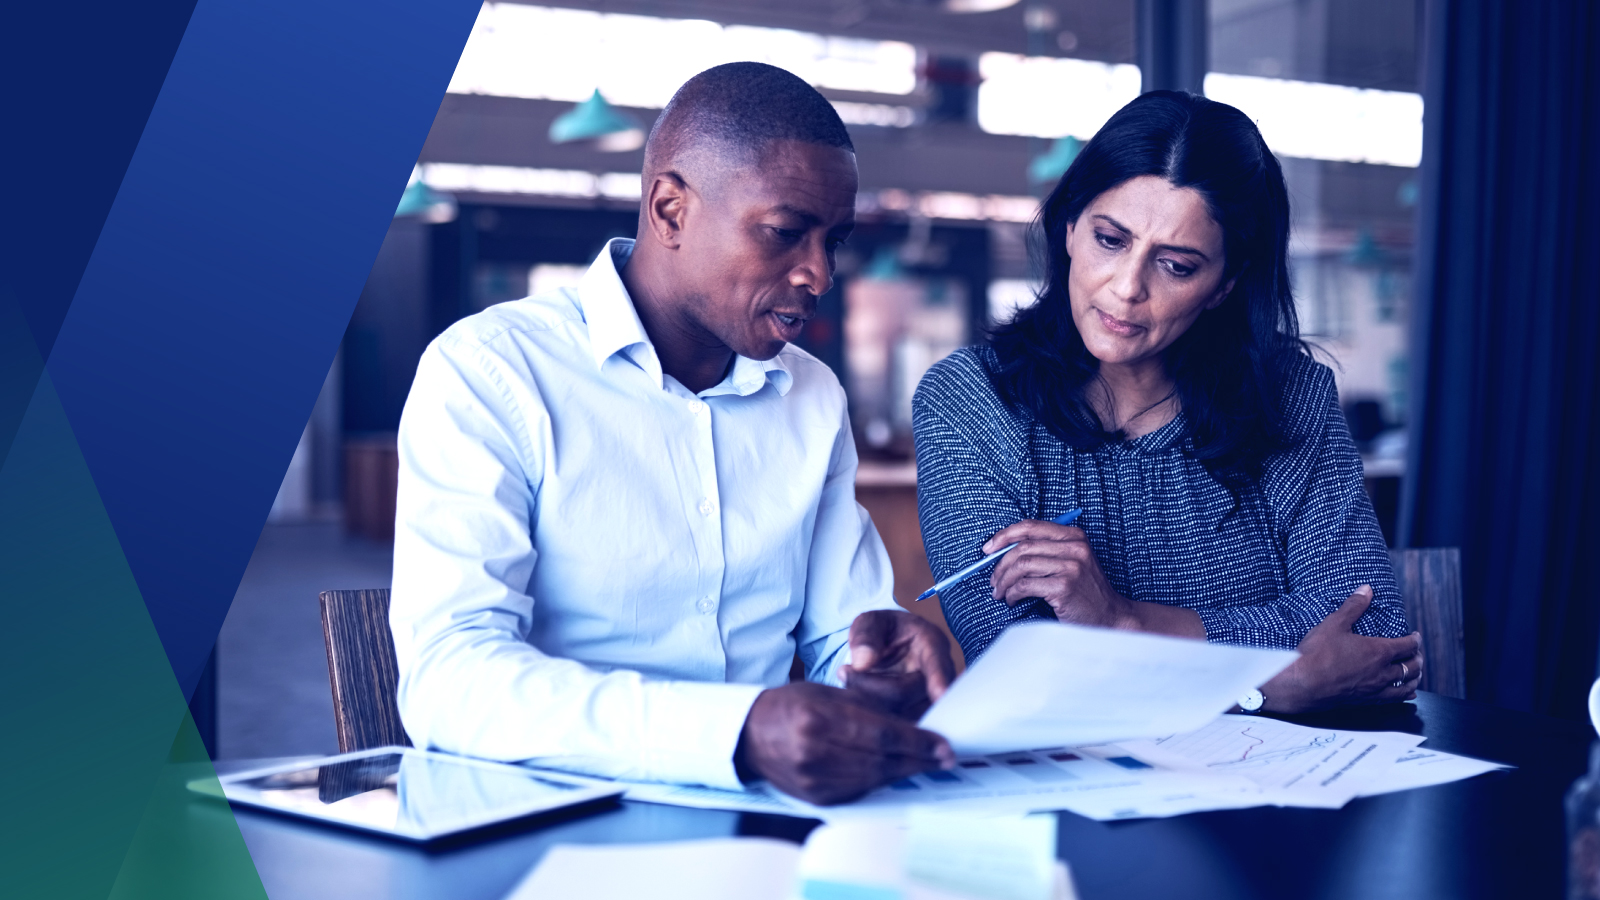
1066	245
1223	291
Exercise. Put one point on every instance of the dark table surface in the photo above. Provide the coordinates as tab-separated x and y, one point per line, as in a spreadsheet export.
1497	835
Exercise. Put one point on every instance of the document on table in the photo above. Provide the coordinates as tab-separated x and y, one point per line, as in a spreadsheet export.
714	869
1099	782
1050	684
1421	767
931	856
758	798
1295	765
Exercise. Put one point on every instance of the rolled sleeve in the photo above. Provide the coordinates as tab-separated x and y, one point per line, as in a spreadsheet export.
968	489
848	572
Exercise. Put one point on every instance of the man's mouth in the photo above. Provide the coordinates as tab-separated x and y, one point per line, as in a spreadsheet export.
789	325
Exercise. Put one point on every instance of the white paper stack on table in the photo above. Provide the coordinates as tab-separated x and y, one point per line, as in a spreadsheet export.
932	855
1133	725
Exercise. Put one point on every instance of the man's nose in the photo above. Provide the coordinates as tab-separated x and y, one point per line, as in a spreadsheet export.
815	271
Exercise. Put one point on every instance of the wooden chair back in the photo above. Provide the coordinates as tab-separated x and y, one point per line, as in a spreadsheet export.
362	669
1430	585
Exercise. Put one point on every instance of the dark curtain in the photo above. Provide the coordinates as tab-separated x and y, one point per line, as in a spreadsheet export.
1505	434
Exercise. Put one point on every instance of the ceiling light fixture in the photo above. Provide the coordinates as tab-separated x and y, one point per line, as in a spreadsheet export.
427	204
596	120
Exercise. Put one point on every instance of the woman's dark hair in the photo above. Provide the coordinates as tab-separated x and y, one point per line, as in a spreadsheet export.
1230	366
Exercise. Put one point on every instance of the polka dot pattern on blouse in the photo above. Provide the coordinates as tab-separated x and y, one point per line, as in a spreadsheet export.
1163	529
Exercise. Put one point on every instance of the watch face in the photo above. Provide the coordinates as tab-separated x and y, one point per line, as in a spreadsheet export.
1251	701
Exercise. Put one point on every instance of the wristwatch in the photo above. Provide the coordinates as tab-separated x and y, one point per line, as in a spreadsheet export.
1252	702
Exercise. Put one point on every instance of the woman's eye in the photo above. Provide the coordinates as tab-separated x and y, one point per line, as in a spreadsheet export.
1108	241
1177	268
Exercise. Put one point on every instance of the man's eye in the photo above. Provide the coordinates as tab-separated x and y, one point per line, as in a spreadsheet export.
787	235
836	243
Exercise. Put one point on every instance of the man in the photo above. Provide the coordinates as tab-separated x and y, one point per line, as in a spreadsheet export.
622	508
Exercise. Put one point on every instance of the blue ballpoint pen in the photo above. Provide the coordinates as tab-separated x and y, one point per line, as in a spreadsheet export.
1066	518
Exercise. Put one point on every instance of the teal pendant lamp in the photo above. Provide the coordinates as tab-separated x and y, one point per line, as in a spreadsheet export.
1048	167
425	203
596	120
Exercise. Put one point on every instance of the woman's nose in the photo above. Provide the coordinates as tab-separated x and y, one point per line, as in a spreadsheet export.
1128	281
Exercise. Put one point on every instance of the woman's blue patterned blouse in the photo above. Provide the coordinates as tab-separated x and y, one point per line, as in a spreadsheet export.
1162	528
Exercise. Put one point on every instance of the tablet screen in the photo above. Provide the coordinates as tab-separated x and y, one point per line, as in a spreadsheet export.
411	794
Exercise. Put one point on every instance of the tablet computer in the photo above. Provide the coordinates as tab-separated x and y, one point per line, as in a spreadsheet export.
415	795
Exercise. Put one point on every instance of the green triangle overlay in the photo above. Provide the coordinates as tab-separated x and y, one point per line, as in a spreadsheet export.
188	843
99	748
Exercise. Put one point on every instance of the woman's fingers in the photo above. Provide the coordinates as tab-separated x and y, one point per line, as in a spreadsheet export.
1039	558
1395	680
1032	530
1402	648
1025	589
1344	618
1036	560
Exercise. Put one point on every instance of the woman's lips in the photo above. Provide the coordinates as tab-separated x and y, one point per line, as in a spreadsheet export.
1117	326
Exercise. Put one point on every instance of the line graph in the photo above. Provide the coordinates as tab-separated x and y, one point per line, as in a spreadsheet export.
1229	744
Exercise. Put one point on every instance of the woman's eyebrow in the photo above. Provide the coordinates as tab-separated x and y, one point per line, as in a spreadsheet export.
1177	248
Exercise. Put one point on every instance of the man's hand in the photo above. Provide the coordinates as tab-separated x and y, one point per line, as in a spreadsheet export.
899	663
824	746
1338	666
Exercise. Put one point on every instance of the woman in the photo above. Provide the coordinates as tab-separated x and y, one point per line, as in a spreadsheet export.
1160	384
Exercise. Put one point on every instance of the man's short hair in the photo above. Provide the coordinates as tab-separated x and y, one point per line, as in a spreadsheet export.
736	109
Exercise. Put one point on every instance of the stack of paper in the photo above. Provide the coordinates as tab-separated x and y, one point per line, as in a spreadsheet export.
1049	684
1231	763
1136	726
931	856
1299	766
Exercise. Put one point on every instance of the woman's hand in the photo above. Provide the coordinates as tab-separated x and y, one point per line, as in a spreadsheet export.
1338	666
1055	564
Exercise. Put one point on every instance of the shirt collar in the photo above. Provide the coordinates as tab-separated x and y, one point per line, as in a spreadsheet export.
614	328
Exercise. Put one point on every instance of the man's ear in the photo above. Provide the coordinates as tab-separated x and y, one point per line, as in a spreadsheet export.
666	203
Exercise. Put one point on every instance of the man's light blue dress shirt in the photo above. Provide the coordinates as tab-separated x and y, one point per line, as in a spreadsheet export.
597	569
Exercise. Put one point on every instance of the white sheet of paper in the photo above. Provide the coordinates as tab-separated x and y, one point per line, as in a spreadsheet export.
756	799
1050	684
935	855
1101	782
864	857
1298	765
1421	767
715	869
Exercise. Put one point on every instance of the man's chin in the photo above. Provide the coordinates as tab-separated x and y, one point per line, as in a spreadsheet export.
761	350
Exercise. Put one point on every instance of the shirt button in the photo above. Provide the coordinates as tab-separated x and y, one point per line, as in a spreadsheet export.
697	406
706	605
707	507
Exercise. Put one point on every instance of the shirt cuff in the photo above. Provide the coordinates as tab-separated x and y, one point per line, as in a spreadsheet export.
841	658
692	730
